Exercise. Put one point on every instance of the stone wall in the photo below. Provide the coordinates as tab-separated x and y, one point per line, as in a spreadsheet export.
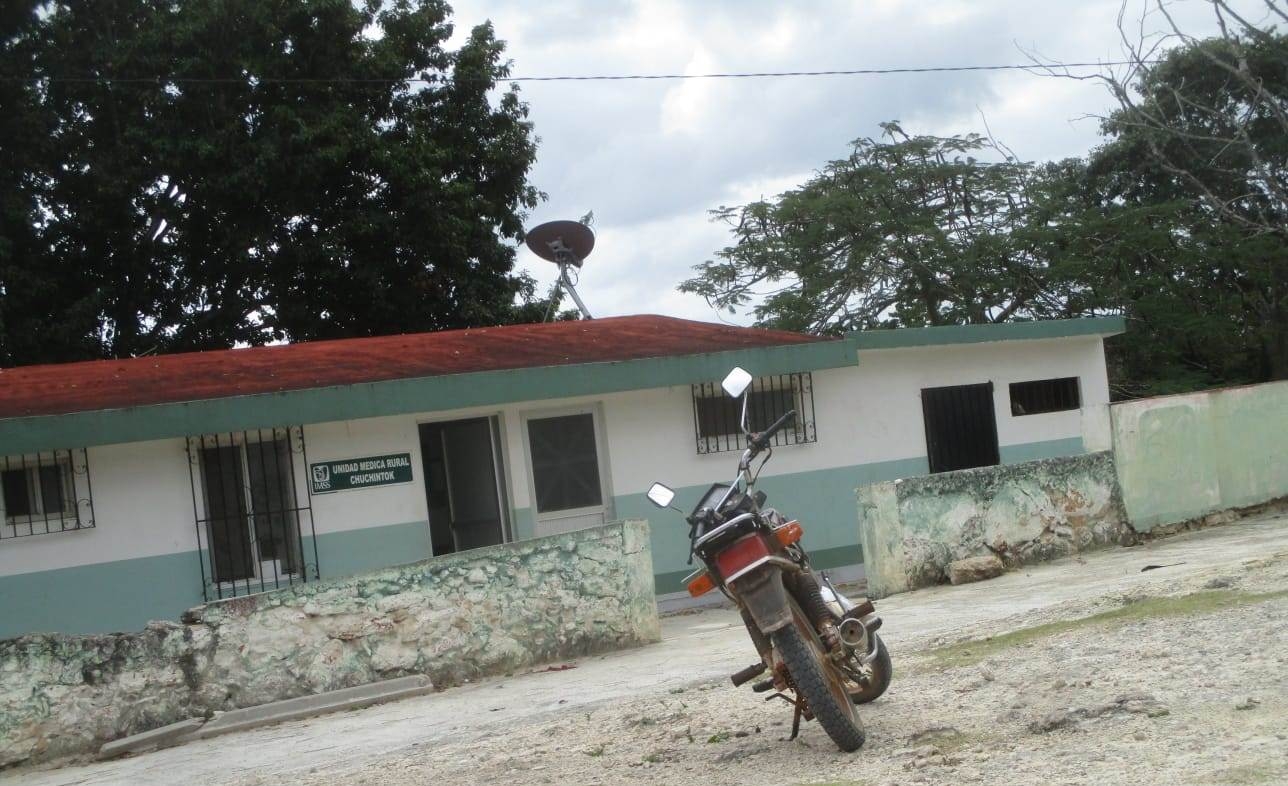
454	618
1038	510
1183	457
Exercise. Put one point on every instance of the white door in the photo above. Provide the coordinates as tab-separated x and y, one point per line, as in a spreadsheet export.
567	473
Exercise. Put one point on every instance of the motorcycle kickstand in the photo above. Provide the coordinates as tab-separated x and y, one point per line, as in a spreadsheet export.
798	709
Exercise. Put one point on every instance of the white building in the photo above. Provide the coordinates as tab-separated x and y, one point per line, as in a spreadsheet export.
134	489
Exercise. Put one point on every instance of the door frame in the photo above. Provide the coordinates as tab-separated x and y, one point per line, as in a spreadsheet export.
301	503
500	465
596	410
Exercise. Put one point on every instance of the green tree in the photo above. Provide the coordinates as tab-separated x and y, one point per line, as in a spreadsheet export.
1204	127
906	231
190	175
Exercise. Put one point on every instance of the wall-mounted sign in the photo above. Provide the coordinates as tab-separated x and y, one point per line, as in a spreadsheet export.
360	473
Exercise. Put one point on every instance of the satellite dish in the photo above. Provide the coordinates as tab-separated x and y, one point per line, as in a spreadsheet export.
562	242
567	244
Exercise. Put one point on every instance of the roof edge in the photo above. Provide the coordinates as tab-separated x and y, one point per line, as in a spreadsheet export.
405	396
903	338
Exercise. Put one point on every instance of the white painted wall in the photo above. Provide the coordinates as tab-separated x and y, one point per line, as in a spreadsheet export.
370	507
142	508
885	390
863	414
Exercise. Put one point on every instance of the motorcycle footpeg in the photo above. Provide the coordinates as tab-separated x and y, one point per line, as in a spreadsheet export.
763	685
872	622
754	670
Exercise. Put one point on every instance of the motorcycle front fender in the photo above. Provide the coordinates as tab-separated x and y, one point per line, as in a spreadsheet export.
762	594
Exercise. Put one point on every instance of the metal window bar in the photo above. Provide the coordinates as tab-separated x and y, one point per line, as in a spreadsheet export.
249	512
47	492
716	417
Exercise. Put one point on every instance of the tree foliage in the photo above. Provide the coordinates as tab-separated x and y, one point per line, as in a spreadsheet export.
189	175
906	231
1205	127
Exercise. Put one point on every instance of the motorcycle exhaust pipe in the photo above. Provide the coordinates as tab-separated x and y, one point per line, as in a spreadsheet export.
854	633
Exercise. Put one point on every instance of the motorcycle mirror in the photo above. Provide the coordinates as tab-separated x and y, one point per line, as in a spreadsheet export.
736	383
660	495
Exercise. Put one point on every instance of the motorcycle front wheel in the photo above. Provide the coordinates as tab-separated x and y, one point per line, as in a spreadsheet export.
819	682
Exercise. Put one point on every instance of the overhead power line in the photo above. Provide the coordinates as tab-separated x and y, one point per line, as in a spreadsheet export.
566	78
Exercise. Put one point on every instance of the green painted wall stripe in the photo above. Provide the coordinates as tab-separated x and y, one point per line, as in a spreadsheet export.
823	500
124	595
975	334
105	597
1032	451
823	559
395	397
356	550
523	523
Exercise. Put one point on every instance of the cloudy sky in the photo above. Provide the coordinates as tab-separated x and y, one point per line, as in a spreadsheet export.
652	157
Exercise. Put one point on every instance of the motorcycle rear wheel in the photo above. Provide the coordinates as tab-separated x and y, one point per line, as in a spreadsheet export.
819	682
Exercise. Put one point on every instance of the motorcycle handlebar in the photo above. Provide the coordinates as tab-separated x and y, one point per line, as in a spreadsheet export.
761	440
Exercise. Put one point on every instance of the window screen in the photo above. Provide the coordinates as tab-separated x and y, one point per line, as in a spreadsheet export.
565	464
1044	395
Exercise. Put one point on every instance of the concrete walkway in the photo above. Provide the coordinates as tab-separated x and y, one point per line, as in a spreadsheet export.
696	648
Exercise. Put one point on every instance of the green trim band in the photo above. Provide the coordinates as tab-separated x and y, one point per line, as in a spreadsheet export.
402	396
977	334
823	559
1032	451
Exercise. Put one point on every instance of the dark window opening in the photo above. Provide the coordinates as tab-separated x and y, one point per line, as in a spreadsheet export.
565	462
717	417
961	427
44	493
1045	395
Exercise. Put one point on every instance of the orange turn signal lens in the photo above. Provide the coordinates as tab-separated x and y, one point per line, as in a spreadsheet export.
789	533
701	585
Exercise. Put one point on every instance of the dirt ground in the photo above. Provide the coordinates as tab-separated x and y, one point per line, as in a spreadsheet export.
1176	682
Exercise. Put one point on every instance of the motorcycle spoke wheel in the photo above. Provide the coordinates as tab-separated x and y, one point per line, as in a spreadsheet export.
882	671
819	682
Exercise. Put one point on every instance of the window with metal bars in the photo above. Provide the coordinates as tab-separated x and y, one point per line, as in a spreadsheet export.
716	417
46	492
1044	395
252	510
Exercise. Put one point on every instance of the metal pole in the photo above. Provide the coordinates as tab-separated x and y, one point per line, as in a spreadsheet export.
567	282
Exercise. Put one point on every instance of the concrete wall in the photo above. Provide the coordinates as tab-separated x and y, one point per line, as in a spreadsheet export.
1182	457
912	528
482	612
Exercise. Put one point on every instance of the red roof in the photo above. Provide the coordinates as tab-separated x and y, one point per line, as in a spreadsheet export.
111	384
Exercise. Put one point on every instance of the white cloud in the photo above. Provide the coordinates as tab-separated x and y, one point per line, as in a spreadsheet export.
651	158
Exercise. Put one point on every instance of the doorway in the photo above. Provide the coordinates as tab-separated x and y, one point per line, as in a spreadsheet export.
961	427
464	484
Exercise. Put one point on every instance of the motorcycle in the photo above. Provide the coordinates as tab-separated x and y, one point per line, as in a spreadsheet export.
821	649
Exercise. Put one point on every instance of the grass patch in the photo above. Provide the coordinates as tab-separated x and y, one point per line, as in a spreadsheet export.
967	653
1246	774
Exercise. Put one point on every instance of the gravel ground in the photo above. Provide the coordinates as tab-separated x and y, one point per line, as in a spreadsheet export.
1175	683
